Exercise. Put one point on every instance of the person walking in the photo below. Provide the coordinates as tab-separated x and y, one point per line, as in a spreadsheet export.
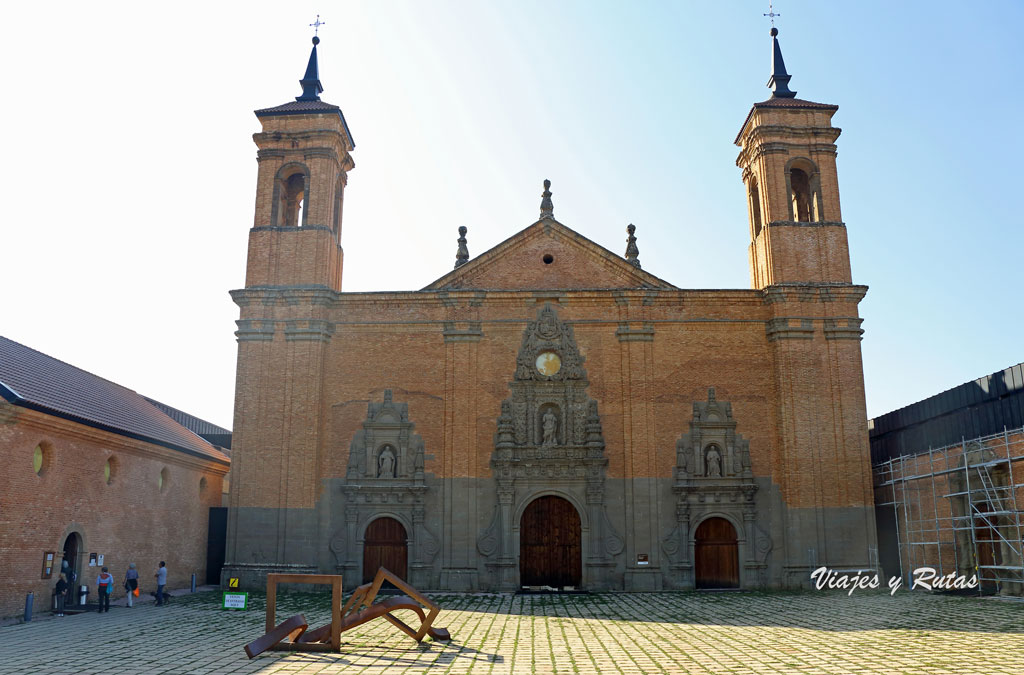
161	581
104	586
62	590
131	582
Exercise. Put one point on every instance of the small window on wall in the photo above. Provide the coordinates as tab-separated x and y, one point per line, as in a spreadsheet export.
163	479
42	456
109	470
202	486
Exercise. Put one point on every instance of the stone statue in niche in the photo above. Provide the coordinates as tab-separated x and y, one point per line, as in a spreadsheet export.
714	463
549	427
386	463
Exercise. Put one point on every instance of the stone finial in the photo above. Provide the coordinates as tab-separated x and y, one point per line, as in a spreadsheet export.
632	252
462	255
387	396
711	394
547	207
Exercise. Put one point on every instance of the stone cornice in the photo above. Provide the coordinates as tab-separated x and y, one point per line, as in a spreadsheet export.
813	292
786	328
627	334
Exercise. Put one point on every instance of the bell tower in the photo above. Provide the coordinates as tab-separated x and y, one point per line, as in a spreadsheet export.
304	162
800	261
788	159
284	334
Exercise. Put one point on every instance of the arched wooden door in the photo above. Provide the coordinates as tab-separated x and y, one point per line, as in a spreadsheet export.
384	545
717	559
550	553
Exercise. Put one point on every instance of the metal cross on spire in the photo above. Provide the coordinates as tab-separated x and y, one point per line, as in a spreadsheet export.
771	13
316	25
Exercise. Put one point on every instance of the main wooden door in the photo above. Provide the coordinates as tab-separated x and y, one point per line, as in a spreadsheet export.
550	553
717	559
384	545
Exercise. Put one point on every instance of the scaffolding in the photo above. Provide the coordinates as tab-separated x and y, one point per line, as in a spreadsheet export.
959	509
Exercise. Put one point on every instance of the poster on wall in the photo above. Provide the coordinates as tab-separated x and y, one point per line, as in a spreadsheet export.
92	560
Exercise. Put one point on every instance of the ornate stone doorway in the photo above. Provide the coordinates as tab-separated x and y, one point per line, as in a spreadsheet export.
549	440
717	559
550	546
384	546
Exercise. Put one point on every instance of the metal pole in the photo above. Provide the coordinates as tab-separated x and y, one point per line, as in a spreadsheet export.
28	606
193	582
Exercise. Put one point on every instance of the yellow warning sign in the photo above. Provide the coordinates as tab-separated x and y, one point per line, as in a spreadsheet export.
233	582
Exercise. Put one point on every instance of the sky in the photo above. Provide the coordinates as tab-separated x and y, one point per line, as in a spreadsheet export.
129	172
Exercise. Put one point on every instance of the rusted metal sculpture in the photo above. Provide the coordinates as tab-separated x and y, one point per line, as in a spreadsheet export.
292	635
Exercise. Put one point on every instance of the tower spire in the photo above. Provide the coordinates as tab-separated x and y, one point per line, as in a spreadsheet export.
310	82
779	81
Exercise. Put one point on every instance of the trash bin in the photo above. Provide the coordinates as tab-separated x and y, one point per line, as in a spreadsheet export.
83	595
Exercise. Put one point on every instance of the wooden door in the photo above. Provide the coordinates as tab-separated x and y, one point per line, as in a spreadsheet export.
384	545
717	559
550	553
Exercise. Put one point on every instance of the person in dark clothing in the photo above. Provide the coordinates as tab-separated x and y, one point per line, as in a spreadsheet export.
61	593
104	585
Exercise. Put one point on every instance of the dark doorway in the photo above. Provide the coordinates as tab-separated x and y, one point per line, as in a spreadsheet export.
384	546
717	560
216	534
549	544
72	547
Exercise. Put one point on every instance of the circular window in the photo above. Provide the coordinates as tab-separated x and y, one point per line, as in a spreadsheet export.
548	258
38	459
548	363
162	479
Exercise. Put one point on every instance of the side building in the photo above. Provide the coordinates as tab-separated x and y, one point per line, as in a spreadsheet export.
96	474
949	483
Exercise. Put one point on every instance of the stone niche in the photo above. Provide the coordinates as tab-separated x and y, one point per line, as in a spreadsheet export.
385	478
549	442
713	479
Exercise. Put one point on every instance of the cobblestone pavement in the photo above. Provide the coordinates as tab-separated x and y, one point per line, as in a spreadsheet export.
804	632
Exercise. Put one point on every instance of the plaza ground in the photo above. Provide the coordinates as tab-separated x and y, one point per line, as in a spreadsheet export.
803	632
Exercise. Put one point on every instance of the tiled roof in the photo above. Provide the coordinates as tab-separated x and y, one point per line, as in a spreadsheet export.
219	436
793	103
784	103
34	380
298	107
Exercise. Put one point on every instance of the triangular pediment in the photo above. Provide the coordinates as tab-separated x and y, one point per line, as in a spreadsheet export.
547	255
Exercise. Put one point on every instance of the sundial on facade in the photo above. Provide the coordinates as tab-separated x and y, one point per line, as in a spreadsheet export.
548	363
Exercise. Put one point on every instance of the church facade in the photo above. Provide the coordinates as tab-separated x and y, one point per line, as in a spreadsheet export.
550	414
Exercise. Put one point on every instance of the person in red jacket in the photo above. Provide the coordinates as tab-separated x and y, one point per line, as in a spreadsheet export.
104	585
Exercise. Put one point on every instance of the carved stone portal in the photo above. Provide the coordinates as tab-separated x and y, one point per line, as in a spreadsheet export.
713	478
549	442
385	478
